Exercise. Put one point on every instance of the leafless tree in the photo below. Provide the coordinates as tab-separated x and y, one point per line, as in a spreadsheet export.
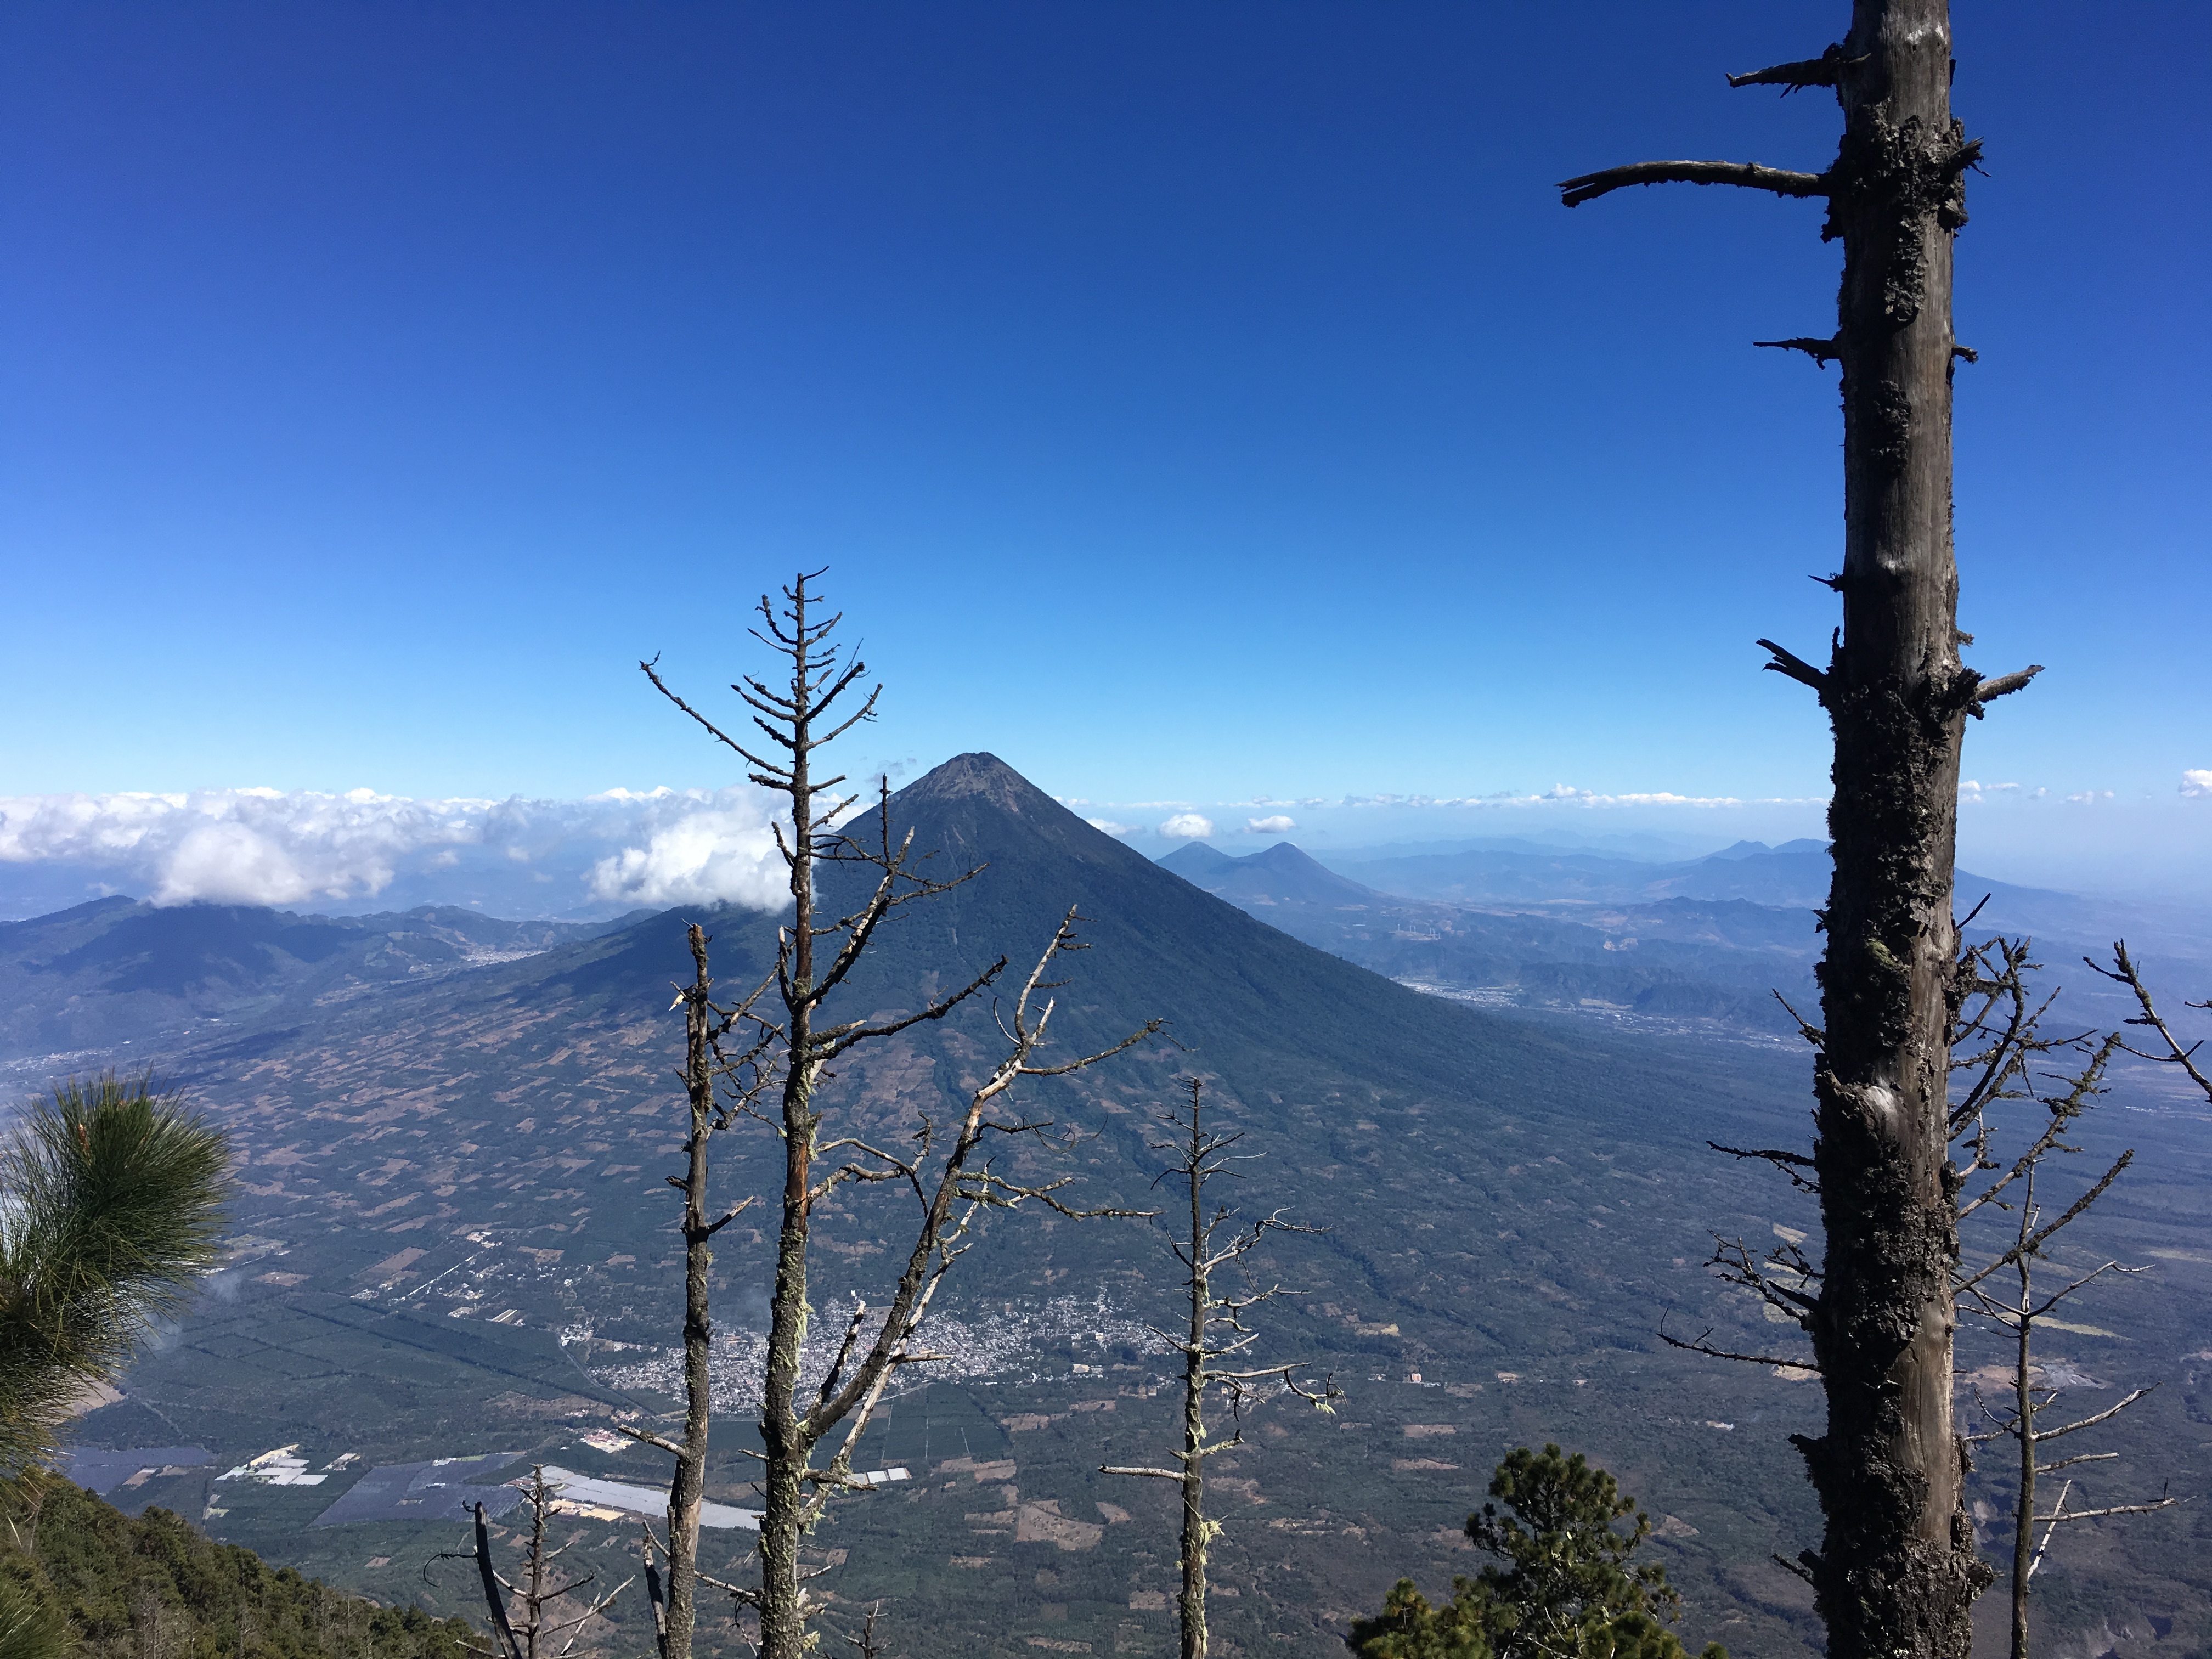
535	1633
865	1641
1215	1331
2006	1019
2172	1051
789	1050
1999	1052
1896	1574
716	1085
2017	1316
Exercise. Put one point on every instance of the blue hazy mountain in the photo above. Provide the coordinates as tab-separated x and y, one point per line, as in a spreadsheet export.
1708	937
116	971
1675	959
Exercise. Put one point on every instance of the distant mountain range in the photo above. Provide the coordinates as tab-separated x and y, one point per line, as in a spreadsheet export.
1675	959
115	971
453	1234
1707	941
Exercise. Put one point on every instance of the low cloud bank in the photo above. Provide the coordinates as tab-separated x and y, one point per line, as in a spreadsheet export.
278	848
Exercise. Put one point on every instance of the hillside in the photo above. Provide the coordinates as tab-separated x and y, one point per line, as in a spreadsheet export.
116	971
153	1585
453	1243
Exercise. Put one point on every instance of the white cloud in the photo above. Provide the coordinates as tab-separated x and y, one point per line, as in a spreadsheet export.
1274	826
1110	828
270	846
696	856
1188	826
238	846
2086	795
2197	784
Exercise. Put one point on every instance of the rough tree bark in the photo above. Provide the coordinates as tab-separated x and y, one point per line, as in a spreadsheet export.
1897	1573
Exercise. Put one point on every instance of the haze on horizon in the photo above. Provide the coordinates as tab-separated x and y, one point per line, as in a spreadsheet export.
1213	414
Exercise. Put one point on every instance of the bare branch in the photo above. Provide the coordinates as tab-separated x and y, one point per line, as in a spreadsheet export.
1698	1344
2109	1413
1797	668
1789	1162
1826	70
2124	972
2115	1508
1820	351
1987	691
1589	186
2028	1245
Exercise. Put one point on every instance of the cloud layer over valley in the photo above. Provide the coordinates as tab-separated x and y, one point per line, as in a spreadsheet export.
624	850
616	851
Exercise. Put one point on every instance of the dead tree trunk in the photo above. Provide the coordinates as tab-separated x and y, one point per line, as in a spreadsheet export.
1191	1604
796	1049
2006	1069
1896	1574
1214	1331
531	1635
675	1605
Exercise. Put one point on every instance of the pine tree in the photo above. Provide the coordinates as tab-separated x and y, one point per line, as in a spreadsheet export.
1566	1591
111	1201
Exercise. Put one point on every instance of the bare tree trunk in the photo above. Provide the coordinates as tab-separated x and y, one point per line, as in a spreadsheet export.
532	1638
1216	1331
783	1623
688	1485
2023	1536
1193	1609
798	1049
1897	1573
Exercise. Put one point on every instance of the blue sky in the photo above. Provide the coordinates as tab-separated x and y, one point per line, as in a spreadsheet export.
1193	403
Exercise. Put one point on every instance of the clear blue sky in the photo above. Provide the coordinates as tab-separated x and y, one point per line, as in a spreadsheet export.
1191	401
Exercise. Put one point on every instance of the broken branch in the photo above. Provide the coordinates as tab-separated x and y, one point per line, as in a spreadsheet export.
1748	175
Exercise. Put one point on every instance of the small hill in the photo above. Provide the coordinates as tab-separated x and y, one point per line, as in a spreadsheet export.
131	1586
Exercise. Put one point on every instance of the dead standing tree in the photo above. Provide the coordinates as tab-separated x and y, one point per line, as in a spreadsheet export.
708	1073
532	1635
1896	1574
2173	1052
1998	1045
1216	1331
2006	1021
794	1051
2021	1422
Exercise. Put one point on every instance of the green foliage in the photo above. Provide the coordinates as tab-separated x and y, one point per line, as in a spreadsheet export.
31	1626
111	1202
1567	1590
77	1573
